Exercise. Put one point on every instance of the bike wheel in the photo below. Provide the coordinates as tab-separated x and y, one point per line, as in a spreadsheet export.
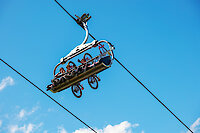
92	81
71	66
76	90
87	57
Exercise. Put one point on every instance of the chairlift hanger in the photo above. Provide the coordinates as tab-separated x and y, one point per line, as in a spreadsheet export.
88	69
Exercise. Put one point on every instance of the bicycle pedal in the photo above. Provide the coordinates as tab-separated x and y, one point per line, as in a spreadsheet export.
82	88
98	79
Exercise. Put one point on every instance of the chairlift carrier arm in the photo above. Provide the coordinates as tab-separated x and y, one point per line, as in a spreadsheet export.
82	48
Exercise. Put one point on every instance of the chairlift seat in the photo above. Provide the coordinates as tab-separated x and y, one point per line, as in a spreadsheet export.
101	65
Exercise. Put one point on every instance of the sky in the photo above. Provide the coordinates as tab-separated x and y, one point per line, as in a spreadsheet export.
158	41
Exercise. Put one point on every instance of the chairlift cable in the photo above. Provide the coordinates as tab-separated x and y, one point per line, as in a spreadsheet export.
71	16
134	76
48	95
153	95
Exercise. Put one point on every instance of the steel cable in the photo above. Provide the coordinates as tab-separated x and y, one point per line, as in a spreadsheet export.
48	95
119	63
134	76
153	95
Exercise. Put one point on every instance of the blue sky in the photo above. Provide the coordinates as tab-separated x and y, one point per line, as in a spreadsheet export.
156	40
